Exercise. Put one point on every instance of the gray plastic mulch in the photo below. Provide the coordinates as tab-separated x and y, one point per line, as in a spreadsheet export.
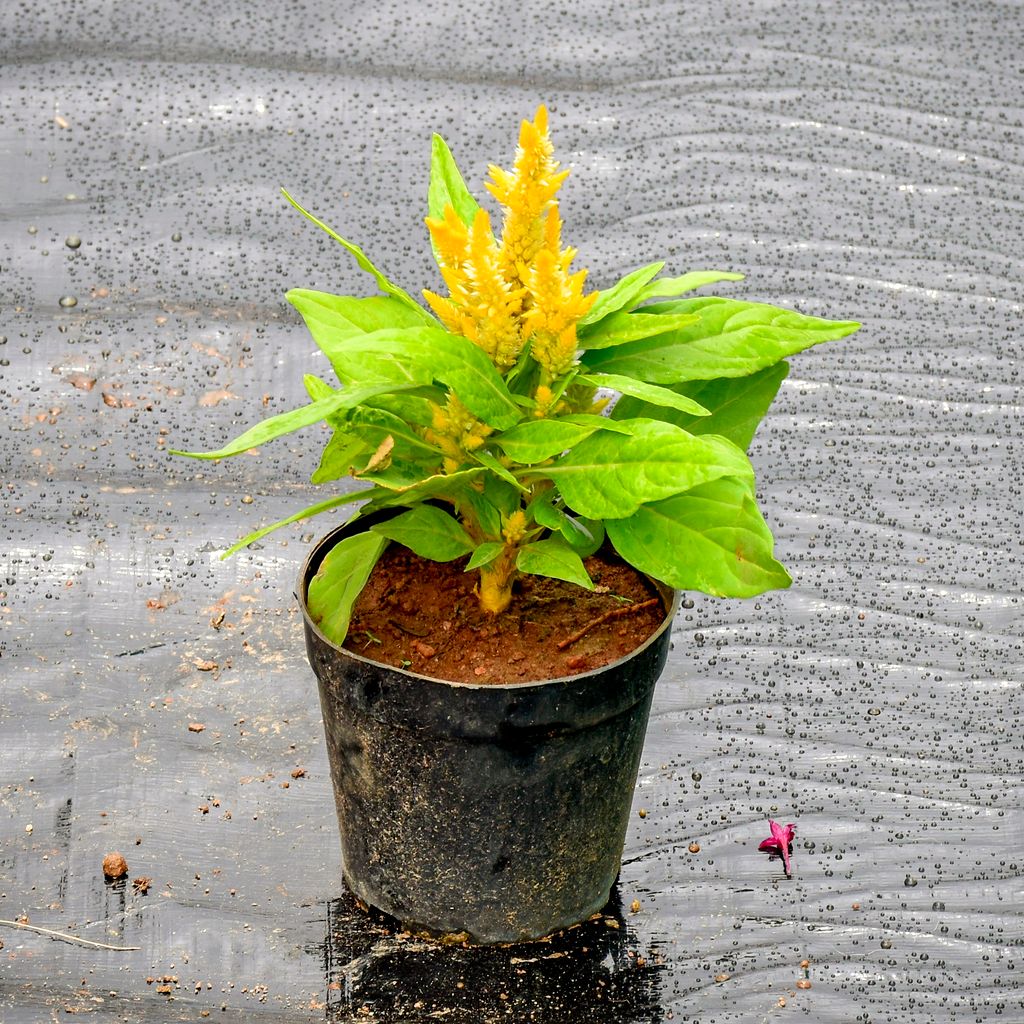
861	161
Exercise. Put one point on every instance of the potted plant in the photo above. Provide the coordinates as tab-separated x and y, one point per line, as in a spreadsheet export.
529	449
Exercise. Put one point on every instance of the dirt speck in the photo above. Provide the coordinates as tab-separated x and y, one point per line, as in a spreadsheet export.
114	866
82	381
212	398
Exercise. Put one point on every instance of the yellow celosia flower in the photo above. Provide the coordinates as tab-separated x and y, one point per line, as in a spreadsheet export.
483	306
457	432
556	302
526	193
504	295
514	527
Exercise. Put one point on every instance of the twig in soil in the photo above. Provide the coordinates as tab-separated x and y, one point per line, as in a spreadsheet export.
615	613
68	938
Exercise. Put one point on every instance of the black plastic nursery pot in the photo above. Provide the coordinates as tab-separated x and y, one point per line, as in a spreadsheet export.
497	813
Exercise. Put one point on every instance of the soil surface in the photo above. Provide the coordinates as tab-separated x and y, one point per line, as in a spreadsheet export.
424	616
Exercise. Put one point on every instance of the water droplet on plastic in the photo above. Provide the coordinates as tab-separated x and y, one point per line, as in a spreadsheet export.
67	301
72	241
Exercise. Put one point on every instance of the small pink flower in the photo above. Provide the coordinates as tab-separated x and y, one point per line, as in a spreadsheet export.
780	841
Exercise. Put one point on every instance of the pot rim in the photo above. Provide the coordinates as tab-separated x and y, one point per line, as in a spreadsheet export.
670	598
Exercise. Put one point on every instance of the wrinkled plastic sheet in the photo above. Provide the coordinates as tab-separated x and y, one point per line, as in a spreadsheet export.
858	161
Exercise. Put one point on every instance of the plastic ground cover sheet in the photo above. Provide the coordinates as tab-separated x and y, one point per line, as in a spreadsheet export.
860	161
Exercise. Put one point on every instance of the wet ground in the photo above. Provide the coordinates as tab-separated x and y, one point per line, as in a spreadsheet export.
862	161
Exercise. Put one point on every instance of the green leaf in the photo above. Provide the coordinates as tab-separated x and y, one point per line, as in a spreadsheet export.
649	392
732	339
553	558
364	264
411	407
313	510
712	539
333	332
523	376
428	532
423	354
669	287
338	457
484	555
618	328
597	421
373	425
447	186
395	475
737	404
332	318
342	575
584	535
541	511
609	476
505	497
621	295
288	422
537	440
485	513
316	388
485	458
449	486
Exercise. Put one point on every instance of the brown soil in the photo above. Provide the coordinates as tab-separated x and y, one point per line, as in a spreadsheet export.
114	866
424	616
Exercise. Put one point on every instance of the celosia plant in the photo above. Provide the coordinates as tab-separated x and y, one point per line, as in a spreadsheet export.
490	424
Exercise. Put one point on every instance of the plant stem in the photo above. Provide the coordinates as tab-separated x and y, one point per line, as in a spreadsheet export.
495	589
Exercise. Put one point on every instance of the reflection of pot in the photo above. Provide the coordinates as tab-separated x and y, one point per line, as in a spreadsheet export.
495	811
591	974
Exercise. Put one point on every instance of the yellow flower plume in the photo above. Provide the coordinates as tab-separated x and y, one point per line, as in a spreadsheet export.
526	194
557	301
482	305
504	295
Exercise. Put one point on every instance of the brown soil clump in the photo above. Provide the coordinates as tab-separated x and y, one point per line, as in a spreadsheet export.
423	616
114	866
